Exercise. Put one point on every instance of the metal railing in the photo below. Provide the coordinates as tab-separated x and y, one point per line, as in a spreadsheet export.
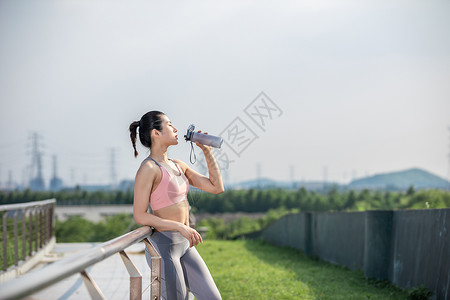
26	229
78	263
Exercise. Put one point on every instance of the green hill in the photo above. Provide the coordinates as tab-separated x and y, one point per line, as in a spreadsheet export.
418	178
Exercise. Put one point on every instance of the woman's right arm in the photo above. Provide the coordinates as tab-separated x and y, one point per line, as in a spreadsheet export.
142	188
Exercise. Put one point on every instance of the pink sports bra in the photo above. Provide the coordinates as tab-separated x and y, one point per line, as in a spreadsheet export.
171	190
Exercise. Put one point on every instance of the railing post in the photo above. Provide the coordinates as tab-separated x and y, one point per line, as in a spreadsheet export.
36	228
135	277
16	239
50	220
45	225
92	287
41	229
24	215
5	241
155	277
30	232
24	234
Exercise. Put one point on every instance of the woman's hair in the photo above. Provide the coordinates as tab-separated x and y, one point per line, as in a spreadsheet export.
149	121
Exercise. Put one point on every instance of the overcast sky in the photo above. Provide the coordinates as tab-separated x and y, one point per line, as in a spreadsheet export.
357	87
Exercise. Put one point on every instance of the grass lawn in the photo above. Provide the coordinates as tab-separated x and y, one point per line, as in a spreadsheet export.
257	270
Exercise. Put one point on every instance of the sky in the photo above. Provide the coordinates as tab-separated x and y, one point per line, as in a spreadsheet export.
332	90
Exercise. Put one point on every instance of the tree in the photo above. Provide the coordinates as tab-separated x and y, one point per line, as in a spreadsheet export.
410	191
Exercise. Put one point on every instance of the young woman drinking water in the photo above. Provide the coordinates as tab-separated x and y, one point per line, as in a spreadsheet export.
164	183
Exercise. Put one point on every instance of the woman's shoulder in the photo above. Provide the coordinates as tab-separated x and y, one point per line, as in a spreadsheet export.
181	163
148	167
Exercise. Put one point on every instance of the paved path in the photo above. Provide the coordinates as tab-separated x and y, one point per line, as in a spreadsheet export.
94	213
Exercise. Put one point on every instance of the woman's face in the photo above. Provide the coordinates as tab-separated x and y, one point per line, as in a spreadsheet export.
168	132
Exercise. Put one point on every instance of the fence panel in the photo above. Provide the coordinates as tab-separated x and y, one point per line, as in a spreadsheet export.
19	241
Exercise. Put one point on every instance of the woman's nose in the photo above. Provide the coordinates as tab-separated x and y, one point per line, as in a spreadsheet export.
175	130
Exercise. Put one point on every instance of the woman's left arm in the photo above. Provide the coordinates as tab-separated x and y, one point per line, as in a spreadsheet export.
214	183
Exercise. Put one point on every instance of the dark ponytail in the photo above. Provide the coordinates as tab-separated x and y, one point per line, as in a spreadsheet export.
133	134
149	121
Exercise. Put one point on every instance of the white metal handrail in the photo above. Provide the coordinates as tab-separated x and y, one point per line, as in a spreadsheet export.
26	205
78	263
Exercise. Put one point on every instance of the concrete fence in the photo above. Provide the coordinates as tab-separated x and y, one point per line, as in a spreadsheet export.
407	247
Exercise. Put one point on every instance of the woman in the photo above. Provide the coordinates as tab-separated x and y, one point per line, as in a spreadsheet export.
163	183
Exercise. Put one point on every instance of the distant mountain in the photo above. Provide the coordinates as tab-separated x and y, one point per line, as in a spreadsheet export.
266	183
402	180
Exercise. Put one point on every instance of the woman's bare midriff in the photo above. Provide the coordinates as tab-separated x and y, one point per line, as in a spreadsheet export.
178	212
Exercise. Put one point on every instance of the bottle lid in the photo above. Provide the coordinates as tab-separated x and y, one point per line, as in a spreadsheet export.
189	132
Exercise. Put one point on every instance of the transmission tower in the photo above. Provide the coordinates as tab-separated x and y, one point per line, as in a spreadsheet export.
56	182
37	180
10	183
25	175
113	174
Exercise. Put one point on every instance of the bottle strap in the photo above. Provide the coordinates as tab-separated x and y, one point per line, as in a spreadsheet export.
190	155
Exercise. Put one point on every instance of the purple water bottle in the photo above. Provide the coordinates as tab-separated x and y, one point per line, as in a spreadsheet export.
204	139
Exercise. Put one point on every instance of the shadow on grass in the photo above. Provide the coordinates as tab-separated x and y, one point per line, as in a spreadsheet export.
325	280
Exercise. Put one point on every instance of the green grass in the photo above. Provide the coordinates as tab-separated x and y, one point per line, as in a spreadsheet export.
256	270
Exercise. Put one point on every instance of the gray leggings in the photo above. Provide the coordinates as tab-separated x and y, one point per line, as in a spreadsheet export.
182	268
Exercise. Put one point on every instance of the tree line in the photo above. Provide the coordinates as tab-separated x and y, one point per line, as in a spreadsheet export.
254	200
75	196
333	200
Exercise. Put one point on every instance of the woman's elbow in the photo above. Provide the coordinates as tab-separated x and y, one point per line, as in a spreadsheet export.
219	190
138	219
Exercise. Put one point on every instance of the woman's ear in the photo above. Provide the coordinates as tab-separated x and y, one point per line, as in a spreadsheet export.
154	133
